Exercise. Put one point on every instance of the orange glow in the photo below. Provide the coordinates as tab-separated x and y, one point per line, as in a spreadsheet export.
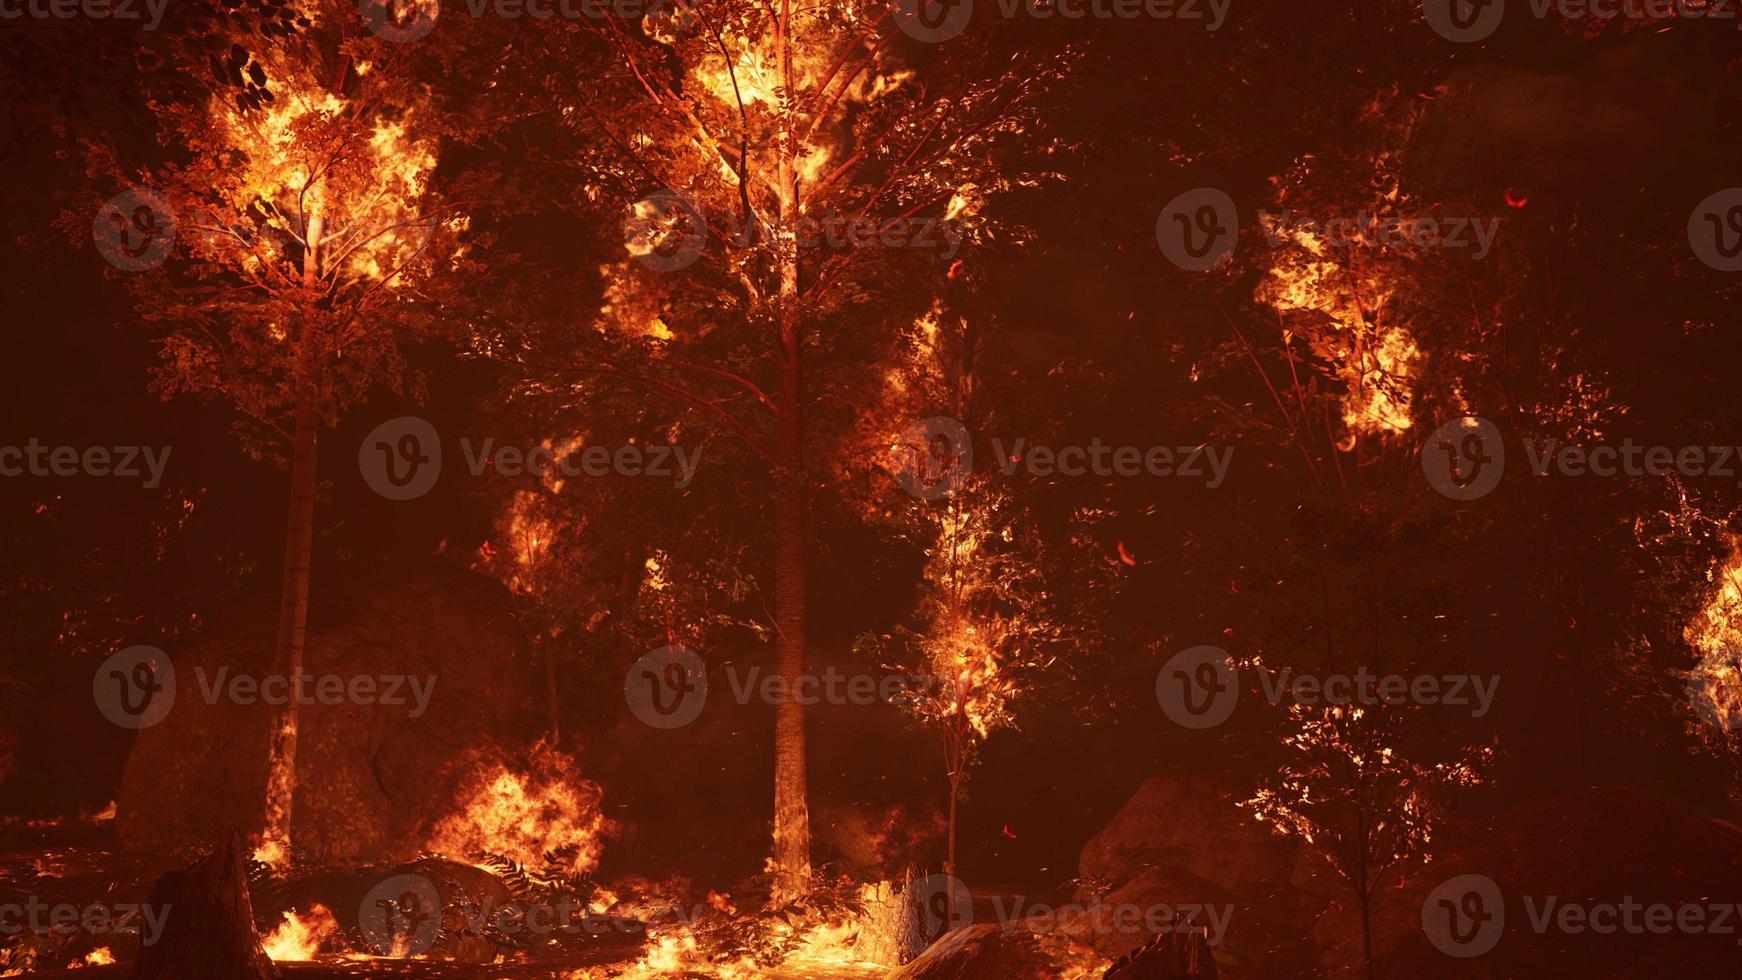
525	815
299	938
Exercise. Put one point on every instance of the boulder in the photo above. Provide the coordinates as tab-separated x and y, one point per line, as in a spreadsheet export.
1189	823
991	951
372	776
1144	907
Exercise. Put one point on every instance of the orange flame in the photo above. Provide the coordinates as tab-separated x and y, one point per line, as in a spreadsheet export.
299	938
527	815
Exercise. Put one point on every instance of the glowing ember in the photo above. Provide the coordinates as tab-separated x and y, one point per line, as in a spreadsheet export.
526	815
300	938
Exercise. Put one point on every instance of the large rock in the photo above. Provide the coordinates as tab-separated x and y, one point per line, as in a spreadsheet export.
1146	906
1189	823
991	951
372	777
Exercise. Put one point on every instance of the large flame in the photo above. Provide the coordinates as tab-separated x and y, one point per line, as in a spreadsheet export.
1375	358
527	814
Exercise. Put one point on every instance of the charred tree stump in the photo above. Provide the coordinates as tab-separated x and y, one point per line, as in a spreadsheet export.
208	923
1181	953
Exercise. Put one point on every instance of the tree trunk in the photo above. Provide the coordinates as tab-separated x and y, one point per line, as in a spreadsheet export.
792	836
950	843
1367	935
207	921
298	554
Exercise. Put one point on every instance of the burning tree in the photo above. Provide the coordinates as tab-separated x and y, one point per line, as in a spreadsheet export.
1351	793
774	152
314	245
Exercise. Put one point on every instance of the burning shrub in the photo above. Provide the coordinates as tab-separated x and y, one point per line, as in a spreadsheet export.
542	815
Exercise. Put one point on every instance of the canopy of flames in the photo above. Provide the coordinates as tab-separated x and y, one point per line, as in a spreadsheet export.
309	151
1376	359
525	813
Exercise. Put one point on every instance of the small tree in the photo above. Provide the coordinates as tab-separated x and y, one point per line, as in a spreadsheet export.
1351	792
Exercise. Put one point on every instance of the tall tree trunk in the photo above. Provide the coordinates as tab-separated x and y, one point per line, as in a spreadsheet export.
298	554
792	835
1367	934
950	844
